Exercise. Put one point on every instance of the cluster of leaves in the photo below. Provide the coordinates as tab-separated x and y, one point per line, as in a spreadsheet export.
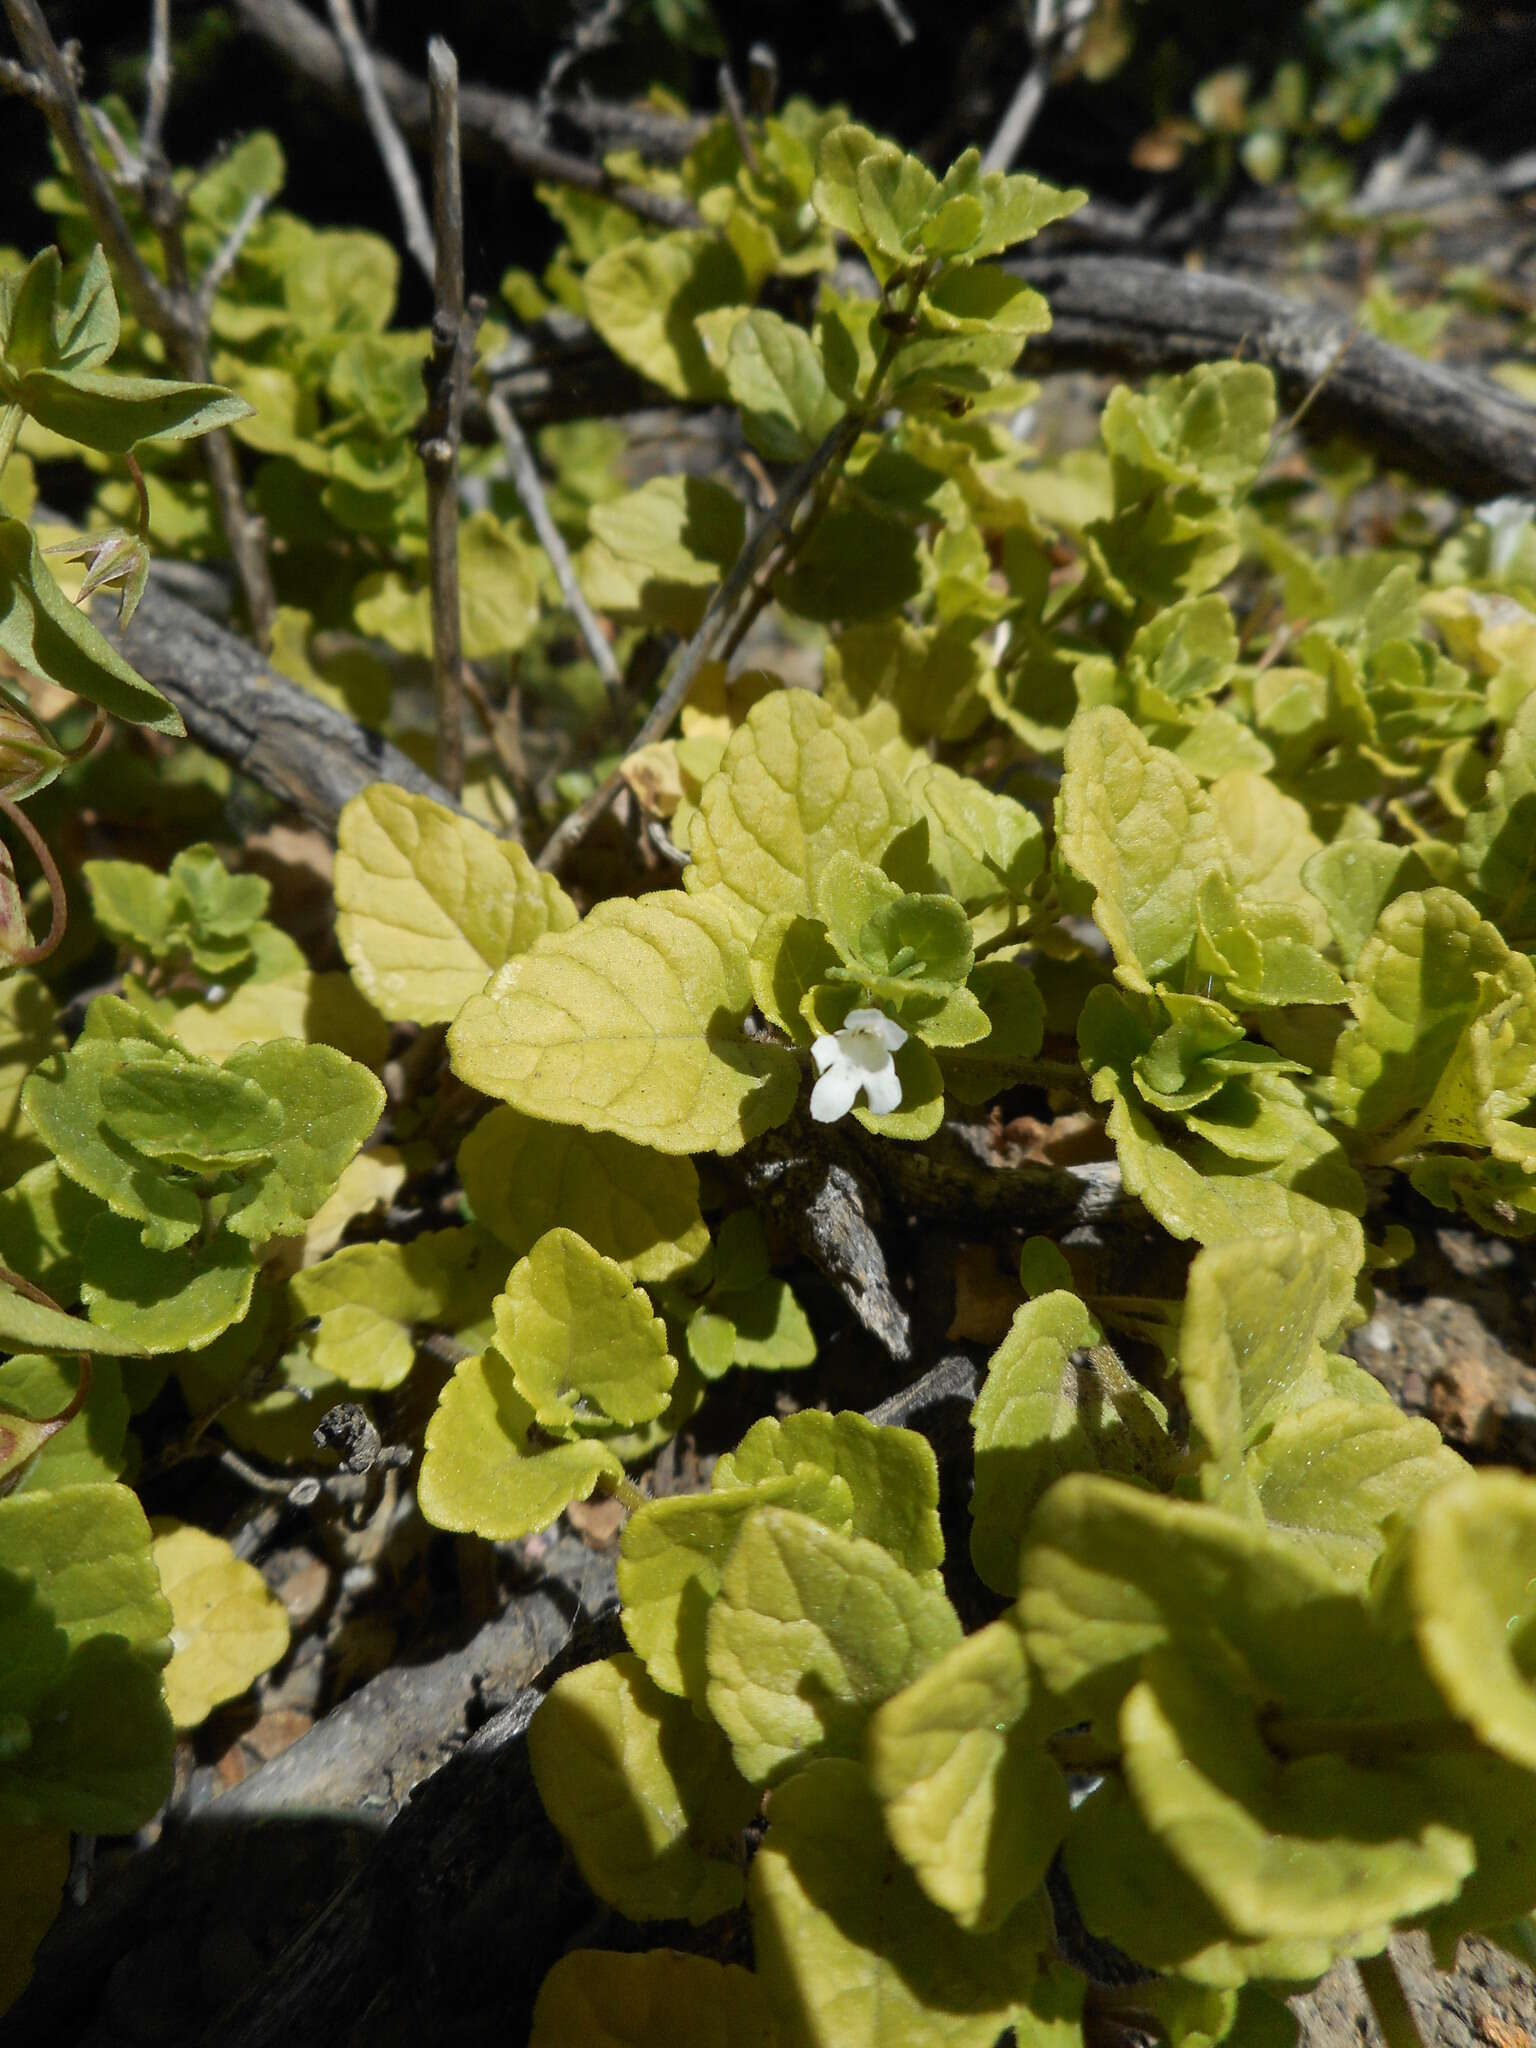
1112	760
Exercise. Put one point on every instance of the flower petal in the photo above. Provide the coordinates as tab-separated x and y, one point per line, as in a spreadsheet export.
886	1029
823	1052
834	1093
882	1088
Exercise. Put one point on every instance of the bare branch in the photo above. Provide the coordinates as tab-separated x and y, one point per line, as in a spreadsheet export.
900	21
525	475
228	255
1058	27
386	136
446	373
25	85
497	128
157	78
717	617
159	308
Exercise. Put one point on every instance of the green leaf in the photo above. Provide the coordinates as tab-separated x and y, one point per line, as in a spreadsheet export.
114	413
1498	848
974	1807
1323	1848
585	1349
769	1328
934	676
635	1206
163	1301
797	785
1111	1572
630	1023
59	319
370	1298
482	1470
987	847
1338	1477
29	1326
810	1631
330	1105
201	1119
1256	1315
644	298
227	1627
891	1474
46	636
857	563
1471	1578
1417	988
498	596
1355	880
673	1554
1010	1001
1210	1197
198	909
660	550
88	1451
844	1934
775	376
645	1793
900	946
1055	1400
608	2000
85	1631
431	904
1138	828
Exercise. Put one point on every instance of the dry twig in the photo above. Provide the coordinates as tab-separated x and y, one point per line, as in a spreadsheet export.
525	475
386	136
717	618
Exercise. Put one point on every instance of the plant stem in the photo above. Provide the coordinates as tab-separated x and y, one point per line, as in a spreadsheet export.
1389	2002
625	1492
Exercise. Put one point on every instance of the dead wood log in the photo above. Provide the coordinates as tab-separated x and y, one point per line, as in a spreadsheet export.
1441	425
235	704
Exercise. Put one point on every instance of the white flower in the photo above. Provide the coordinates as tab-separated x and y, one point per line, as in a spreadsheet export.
859	1057
1507	520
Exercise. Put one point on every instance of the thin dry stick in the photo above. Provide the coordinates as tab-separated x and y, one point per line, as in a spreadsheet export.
157	77
447	373
525	475
228	255
1055	35
386	136
572	830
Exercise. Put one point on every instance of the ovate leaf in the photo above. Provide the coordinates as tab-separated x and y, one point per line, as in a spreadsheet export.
796	785
645	1793
635	1206
227	1628
845	1934
644	297
973	1805
484	1471
581	1339
430	904
811	1630
630	1023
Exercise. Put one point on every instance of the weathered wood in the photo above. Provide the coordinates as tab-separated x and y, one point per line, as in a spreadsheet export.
1440	425
295	745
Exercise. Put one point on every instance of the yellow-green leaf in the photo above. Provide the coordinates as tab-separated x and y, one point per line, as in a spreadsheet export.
581	1339
430	904
481	1473
796	785
630	1023
227	1627
643	1791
